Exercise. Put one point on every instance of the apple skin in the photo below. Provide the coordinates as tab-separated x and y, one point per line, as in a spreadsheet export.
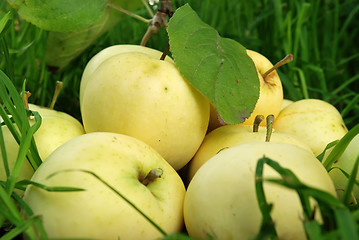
98	212
286	102
146	98
346	162
231	135
12	149
111	51
313	121
221	198
56	128
270	92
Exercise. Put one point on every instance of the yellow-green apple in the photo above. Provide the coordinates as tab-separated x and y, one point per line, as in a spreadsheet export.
56	128
98	212
135	94
111	51
221	198
231	135
270	90
345	162
313	121
286	102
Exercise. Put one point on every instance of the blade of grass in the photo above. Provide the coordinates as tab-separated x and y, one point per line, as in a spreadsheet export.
340	147
24	146
3	153
350	184
267	230
48	188
19	229
346	226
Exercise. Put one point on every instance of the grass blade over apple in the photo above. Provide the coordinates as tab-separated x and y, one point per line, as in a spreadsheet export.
218	67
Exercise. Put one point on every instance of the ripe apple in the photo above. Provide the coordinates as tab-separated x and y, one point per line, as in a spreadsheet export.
141	96
286	102
221	199
123	162
56	128
111	51
346	162
231	135
313	121
270	90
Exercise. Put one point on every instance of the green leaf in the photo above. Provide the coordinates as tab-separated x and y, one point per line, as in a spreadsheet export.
218	67
62	47
59	15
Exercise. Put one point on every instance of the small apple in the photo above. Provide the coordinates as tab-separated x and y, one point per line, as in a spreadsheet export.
221	199
98	213
231	135
56	128
270	90
345	162
135	94
313	121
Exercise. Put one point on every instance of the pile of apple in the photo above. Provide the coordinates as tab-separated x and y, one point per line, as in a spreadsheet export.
143	123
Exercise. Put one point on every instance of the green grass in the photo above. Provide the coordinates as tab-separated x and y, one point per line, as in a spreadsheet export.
322	36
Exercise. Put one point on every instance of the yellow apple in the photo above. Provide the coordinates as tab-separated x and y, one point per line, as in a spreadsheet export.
111	51
231	135
56	128
270	91
221	199
141	96
98	212
313	121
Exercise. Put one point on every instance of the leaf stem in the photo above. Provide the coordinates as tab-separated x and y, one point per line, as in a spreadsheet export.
131	14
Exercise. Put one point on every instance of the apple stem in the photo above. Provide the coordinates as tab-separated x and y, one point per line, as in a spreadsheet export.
285	60
152	175
270	119
257	121
165	52
58	88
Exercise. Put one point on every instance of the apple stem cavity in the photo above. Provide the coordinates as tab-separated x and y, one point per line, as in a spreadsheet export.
270	119
58	88
257	122
285	60
152	176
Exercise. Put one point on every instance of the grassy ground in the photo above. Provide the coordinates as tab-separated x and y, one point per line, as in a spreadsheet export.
320	34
